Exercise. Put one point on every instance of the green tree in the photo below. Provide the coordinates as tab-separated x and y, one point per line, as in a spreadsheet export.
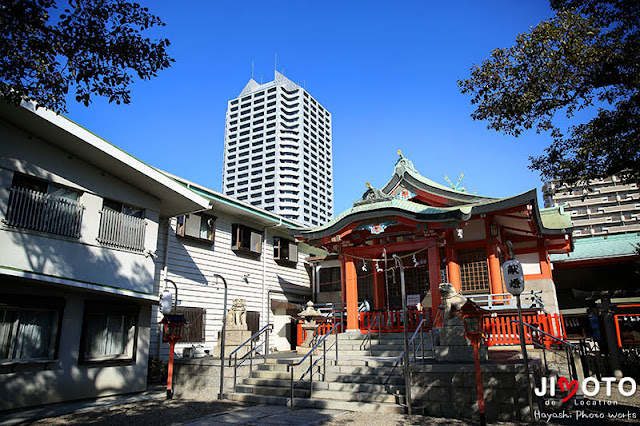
91	48
586	57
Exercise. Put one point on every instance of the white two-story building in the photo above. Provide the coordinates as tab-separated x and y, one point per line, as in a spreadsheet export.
254	252
78	237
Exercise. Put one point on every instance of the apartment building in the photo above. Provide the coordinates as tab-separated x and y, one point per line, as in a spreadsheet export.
609	206
278	151
78	236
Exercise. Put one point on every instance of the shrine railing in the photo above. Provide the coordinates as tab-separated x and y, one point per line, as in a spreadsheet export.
323	328
391	321
502	330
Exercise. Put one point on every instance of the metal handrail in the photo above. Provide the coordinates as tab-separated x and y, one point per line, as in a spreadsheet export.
369	333
234	353
569	348
571	345
506	300
312	364
439	316
415	333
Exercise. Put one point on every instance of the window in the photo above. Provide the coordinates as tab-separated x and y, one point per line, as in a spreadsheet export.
109	332
121	226
193	329
44	206
29	327
246	239
474	272
196	226
285	250
330	279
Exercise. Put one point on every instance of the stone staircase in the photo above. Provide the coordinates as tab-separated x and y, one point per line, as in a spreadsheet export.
361	380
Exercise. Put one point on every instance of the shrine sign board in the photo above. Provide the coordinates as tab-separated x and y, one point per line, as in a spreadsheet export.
513	277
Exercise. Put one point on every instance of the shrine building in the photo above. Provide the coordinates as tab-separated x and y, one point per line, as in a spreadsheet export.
441	234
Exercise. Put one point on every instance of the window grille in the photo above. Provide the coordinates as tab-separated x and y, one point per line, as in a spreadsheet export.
474	271
44	212
193	330
121	230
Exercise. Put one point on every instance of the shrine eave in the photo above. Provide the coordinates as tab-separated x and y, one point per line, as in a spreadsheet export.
380	210
422	213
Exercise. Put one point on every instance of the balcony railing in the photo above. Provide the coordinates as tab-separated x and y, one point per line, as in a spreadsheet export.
43	212
121	230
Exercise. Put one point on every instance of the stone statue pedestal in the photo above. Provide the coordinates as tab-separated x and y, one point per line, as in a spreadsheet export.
233	339
236	331
454	347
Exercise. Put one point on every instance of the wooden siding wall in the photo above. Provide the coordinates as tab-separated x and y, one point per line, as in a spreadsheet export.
192	265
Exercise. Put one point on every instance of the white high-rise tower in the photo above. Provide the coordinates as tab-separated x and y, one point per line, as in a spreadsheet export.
277	151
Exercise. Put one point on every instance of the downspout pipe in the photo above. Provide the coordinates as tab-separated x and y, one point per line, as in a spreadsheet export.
224	332
165	276
265	296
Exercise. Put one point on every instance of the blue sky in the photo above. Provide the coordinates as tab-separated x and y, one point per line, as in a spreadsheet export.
387	71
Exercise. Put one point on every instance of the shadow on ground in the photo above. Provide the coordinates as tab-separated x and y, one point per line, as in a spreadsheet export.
154	412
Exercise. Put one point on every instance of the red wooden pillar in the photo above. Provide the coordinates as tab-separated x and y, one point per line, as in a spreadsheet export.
495	276
343	281
545	266
453	269
434	278
378	290
351	285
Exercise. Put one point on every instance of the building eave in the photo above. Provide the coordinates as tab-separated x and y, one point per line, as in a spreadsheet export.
63	133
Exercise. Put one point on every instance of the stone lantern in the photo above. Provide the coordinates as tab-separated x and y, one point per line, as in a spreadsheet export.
309	326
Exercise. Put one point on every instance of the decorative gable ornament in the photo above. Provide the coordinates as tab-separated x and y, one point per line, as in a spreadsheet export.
372	195
403	165
402	193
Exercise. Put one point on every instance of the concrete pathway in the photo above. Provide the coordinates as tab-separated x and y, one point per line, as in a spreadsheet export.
15	417
269	415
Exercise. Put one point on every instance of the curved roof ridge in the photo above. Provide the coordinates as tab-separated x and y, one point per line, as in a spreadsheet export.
405	166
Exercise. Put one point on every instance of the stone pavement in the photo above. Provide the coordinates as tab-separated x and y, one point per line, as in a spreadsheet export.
151	408
269	415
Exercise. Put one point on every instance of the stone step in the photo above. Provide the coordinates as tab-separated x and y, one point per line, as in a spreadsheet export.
349	354
285	367
276	375
358	396
332	377
351	346
335	386
380	407
287	360
335	395
359	369
274	390
357	378
385	337
368	361
331	368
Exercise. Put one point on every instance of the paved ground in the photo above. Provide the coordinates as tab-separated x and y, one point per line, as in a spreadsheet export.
151	408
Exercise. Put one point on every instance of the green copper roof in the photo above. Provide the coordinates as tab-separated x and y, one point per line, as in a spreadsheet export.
600	248
555	218
216	196
404	167
404	205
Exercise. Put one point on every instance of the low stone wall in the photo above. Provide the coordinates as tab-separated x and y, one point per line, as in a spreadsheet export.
449	390
199	378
